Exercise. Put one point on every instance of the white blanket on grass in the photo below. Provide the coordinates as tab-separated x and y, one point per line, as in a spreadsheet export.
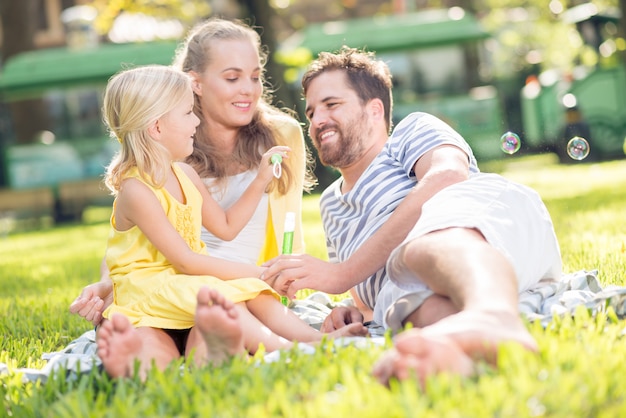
541	303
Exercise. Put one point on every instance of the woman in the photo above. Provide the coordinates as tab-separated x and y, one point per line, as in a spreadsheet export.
157	261
226	61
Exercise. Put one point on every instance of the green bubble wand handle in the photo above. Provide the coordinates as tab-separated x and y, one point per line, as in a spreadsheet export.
290	226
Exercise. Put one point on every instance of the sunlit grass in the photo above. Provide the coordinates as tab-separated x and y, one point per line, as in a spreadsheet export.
578	371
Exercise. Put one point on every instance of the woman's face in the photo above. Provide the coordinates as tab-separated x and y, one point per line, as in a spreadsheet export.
230	86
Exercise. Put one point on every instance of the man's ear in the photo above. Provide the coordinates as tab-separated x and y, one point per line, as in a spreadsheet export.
154	130
376	108
196	86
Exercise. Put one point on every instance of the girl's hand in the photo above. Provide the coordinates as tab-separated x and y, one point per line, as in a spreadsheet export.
92	301
266	168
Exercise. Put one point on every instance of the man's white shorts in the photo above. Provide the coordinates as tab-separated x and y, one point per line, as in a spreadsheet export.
511	217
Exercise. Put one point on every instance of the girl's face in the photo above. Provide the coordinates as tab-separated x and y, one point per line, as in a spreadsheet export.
230	87
176	129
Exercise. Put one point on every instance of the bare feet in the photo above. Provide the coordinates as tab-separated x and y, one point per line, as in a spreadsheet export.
424	357
119	346
451	346
217	320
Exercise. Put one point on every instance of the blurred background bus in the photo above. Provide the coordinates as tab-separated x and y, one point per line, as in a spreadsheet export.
439	58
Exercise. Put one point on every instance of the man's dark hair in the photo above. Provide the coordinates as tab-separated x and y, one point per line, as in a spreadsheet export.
369	78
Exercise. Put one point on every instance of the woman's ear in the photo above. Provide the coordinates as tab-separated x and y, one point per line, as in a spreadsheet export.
196	86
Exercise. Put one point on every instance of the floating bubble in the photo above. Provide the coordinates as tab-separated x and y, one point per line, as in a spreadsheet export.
510	142
578	148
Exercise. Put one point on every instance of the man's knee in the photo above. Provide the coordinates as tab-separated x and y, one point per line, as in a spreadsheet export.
426	247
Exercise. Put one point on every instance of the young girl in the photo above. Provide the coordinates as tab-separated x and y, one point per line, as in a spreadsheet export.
158	264
226	61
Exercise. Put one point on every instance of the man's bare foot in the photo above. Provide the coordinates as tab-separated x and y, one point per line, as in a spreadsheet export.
217	320
355	329
119	346
480	333
425	356
451	345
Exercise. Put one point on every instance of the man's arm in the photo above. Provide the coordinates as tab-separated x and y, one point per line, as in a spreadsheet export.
437	169
440	167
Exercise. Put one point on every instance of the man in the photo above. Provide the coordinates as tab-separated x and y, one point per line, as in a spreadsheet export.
457	244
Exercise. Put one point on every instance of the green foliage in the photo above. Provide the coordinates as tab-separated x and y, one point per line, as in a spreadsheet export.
188	11
578	371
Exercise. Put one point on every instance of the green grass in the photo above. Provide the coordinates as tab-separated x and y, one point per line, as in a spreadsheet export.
579	371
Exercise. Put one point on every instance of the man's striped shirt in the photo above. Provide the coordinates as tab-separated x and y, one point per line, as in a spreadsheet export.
350	219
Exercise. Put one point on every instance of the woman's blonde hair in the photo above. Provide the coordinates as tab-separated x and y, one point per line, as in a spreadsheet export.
207	158
133	100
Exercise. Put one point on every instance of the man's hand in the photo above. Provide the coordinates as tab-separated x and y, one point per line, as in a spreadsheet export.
289	273
92	301
340	317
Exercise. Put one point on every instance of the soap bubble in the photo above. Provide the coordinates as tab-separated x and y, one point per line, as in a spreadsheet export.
510	142
578	148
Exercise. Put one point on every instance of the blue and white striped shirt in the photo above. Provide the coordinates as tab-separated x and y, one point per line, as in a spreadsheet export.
350	219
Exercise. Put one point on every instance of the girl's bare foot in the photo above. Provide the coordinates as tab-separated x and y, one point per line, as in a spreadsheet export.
119	346
217	320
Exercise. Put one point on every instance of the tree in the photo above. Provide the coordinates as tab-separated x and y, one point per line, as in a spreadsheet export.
18	32
622	28
264	15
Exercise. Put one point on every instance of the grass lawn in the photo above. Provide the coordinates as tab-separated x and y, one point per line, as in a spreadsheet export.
578	372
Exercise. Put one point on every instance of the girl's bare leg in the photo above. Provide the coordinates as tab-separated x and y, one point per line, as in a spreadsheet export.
120	345
256	333
217	335
285	323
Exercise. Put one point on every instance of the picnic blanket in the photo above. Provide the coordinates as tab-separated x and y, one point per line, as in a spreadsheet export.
541	303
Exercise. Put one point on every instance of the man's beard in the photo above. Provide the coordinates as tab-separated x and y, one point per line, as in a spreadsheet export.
349	148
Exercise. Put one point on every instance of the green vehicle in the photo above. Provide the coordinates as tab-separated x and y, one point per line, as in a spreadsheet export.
590	104
59	172
435	56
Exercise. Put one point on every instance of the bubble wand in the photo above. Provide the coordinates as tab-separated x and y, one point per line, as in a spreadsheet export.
276	159
290	226
290	217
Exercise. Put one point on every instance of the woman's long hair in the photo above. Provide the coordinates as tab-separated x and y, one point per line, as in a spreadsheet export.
260	134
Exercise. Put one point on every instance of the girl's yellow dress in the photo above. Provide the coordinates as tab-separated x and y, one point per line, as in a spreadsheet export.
146	287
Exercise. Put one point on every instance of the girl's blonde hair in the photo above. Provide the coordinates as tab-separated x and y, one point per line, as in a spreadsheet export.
133	100
207	158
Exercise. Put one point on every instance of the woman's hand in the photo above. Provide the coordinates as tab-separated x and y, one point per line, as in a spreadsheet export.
267	170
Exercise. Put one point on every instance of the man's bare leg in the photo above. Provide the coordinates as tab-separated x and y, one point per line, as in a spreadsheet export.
120	345
480	283
217	335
